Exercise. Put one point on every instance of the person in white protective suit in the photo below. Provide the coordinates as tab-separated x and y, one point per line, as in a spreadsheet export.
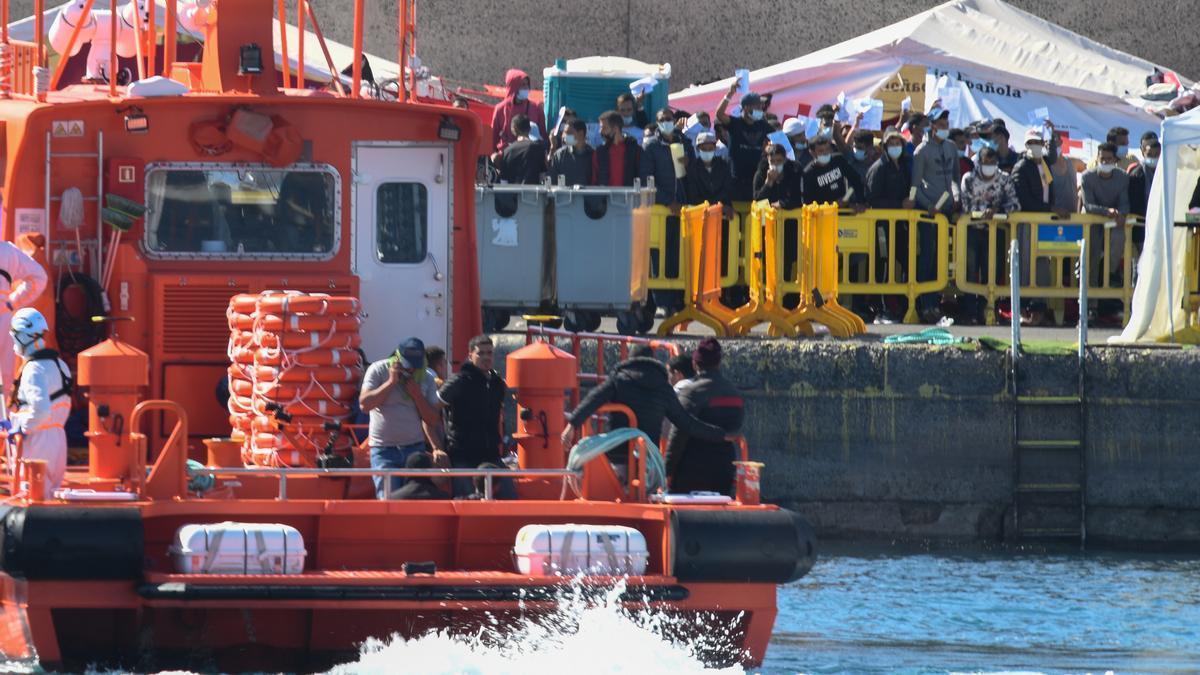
42	400
22	280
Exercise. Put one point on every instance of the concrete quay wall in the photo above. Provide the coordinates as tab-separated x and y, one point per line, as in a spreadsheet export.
911	442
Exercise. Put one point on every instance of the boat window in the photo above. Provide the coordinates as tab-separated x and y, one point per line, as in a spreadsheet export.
227	211
402	222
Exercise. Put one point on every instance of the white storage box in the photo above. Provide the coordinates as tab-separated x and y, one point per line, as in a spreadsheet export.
599	550
238	548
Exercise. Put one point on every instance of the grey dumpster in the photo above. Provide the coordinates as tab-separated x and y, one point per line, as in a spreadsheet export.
602	248
511	238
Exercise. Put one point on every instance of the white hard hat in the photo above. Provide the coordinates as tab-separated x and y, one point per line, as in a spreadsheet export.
29	322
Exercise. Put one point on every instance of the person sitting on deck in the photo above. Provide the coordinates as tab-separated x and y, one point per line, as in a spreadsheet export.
640	383
700	464
419	487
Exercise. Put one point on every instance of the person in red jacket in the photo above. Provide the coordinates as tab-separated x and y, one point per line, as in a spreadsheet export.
516	103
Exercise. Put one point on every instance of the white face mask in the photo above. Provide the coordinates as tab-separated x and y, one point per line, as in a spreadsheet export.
942	134
777	167
522	94
1035	151
894	151
627	120
706	155
824	159
666	127
1107	168
569	140
988	170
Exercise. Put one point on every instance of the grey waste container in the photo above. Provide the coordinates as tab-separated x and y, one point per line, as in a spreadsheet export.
511	238
602	247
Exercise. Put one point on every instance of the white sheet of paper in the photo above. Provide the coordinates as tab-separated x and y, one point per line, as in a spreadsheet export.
906	104
1037	117
643	86
812	128
873	115
782	139
844	106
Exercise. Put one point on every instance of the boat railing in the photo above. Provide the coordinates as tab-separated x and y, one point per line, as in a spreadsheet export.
599	342
488	475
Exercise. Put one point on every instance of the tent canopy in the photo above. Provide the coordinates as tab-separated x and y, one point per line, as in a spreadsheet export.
989	46
315	67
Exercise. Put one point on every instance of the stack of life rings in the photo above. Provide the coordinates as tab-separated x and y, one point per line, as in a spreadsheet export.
295	368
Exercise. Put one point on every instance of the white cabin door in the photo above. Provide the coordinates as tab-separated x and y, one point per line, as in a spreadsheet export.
401	234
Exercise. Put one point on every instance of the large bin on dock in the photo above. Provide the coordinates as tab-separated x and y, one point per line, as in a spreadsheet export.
602	246
512	235
590	86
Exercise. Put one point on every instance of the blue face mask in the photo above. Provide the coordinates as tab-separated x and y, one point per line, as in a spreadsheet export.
1122	150
894	151
522	94
860	155
756	115
977	145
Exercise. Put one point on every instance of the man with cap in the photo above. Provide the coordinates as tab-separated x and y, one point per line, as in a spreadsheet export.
708	177
400	396
474	401
695	464
794	127
1033	180
747	136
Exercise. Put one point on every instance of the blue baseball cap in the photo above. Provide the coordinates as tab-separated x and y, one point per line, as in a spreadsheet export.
411	353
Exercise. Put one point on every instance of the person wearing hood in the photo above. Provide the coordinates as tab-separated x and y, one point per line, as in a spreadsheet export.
419	487
699	464
641	383
747	134
708	178
517	102
658	162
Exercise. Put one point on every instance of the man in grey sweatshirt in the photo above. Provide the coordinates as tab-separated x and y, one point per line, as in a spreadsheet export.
935	180
1106	193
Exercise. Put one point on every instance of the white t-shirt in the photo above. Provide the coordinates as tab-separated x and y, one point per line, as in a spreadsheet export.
396	421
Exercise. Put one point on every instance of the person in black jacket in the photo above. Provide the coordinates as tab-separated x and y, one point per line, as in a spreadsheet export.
419	487
473	400
573	161
640	383
524	160
696	464
708	176
830	179
1141	178
778	180
889	181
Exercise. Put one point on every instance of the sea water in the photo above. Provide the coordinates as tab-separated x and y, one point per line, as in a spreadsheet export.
882	610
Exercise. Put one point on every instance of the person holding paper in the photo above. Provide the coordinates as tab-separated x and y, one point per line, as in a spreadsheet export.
830	179
632	113
747	135
659	161
615	164
565	117
778	180
517	102
794	129
708	177
572	163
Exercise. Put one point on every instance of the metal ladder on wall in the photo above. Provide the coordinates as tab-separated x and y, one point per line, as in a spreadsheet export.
1049	474
97	252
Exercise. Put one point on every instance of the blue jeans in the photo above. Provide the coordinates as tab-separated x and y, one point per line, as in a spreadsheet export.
391	457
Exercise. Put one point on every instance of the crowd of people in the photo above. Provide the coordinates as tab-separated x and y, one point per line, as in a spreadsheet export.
420	419
919	162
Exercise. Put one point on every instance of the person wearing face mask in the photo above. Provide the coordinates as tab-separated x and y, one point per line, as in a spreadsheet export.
708	178
1106	193
556	137
573	161
830	179
1007	157
959	138
631	111
888	183
986	191
42	397
658	162
863	154
778	180
935	183
1141	177
524	160
747	134
615	164
794	129
517	102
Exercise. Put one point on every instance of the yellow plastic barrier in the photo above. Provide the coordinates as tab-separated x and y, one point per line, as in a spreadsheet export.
1193	278
700	236
763	263
662	222
865	270
816	276
1049	254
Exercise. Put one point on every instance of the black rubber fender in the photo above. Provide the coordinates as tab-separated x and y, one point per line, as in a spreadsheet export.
775	546
72	543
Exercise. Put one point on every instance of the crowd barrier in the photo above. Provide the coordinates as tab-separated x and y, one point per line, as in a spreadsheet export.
667	273
1192	297
1049	253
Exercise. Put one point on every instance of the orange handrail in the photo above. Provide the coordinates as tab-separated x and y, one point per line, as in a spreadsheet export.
168	477
636	489
623	342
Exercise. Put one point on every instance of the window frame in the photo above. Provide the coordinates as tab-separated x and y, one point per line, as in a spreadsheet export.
378	253
234	256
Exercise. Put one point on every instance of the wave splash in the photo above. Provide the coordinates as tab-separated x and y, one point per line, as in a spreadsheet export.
585	634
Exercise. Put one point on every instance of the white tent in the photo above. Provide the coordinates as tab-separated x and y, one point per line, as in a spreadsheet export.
315	66
1007	63
1157	310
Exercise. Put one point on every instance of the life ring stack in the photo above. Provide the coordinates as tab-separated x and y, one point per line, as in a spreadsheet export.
294	368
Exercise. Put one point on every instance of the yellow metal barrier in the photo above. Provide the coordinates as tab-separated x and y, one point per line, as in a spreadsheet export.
1048	267
816	276
700	234
763	261
1192	300
879	250
664	247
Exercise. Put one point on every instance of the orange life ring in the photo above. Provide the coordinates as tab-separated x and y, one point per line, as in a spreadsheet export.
317	304
273	391
300	322
322	374
307	340
244	303
316	357
306	424
318	409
